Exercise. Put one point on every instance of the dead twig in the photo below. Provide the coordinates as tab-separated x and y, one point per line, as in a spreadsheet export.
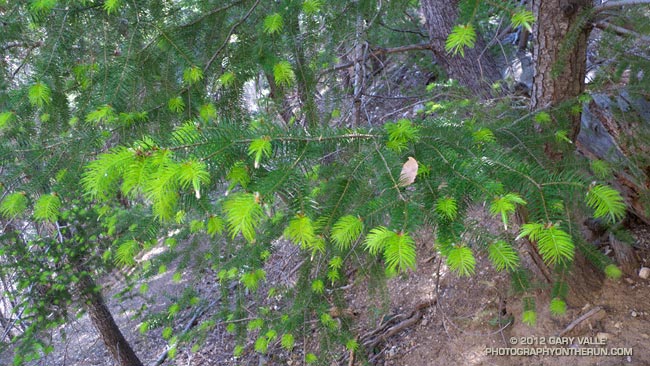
580	319
385	331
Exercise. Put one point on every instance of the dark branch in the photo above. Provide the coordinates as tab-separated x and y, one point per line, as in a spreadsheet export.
416	32
213	11
616	4
232	29
378	52
621	31
16	44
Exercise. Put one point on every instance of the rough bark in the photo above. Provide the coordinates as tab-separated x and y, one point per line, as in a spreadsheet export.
585	281
560	54
560	35
477	70
625	256
103	321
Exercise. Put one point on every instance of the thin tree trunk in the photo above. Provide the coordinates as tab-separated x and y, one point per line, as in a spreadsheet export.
358	71
280	99
103	321
477	70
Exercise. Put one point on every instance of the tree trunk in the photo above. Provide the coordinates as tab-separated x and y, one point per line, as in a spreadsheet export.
280	99
359	72
477	70
625	255
560	54
103	321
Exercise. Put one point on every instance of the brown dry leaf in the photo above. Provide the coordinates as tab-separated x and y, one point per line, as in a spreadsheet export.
409	171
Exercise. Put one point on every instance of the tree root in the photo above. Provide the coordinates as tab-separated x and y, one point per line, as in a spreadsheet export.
395	324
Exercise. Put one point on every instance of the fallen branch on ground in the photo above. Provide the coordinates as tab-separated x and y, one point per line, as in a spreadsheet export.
581	319
391	327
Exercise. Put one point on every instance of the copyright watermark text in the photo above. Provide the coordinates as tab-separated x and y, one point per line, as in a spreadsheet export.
557	351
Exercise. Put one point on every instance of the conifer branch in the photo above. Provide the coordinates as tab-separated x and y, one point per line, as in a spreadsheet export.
17	44
357	136
416	32
530	179
345	189
227	39
209	13
293	165
378	52
395	183
621	31
456	172
523	145
616	4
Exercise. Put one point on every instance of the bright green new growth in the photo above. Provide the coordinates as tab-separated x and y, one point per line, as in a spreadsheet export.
484	135
301	231
112	6
505	205
399	253
529	317
447	207
283	73
103	114
503	256
103	173
311	7
208	112
273	23
553	243
243	213
40	94
523	18
238	175
214	226
557	306
192	75
5	119
400	134
613	272
126	252
461	36
606	202
193	173
252	280
287	341
176	105
47	207
13	205
260	148
398	248
377	238
346	231
42	6
461	260
318	286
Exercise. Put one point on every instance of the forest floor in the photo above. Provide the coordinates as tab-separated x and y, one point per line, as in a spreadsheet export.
424	317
